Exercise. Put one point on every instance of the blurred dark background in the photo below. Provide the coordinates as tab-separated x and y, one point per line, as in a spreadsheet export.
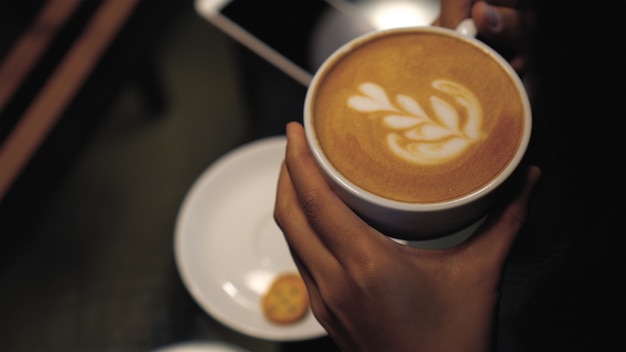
86	229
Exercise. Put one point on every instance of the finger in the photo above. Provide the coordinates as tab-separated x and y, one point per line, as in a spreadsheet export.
502	25
452	12
344	234
318	307
496	237
320	270
308	251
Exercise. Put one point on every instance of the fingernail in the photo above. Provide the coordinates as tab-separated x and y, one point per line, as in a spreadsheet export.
493	18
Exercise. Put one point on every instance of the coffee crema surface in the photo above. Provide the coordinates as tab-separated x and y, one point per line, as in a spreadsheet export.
418	117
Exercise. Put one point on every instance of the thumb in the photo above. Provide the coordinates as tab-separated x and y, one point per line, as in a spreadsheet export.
495	237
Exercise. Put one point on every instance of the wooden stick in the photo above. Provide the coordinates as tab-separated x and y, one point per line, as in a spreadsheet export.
57	93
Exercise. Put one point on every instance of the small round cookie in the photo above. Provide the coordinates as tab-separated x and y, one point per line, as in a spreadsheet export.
287	300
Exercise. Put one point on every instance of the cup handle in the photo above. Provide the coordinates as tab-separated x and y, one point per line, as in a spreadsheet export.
467	27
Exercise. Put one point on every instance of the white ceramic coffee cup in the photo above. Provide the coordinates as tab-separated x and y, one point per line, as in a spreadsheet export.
432	225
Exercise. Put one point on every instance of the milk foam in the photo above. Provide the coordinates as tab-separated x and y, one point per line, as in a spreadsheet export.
416	137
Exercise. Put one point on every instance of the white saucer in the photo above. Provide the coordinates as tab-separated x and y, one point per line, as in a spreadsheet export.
197	346
227	246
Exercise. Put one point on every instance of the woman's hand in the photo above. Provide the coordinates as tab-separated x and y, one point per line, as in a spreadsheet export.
373	294
504	24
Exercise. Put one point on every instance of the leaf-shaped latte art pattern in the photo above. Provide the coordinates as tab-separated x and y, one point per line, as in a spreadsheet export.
417	137
374	98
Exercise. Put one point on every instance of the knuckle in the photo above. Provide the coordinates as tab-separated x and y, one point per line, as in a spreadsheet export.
365	276
321	313
335	298
282	213
368	277
312	205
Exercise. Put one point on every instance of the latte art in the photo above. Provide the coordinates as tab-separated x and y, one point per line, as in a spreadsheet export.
416	117
417	137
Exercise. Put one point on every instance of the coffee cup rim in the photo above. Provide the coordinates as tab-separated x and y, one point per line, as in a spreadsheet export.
356	191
